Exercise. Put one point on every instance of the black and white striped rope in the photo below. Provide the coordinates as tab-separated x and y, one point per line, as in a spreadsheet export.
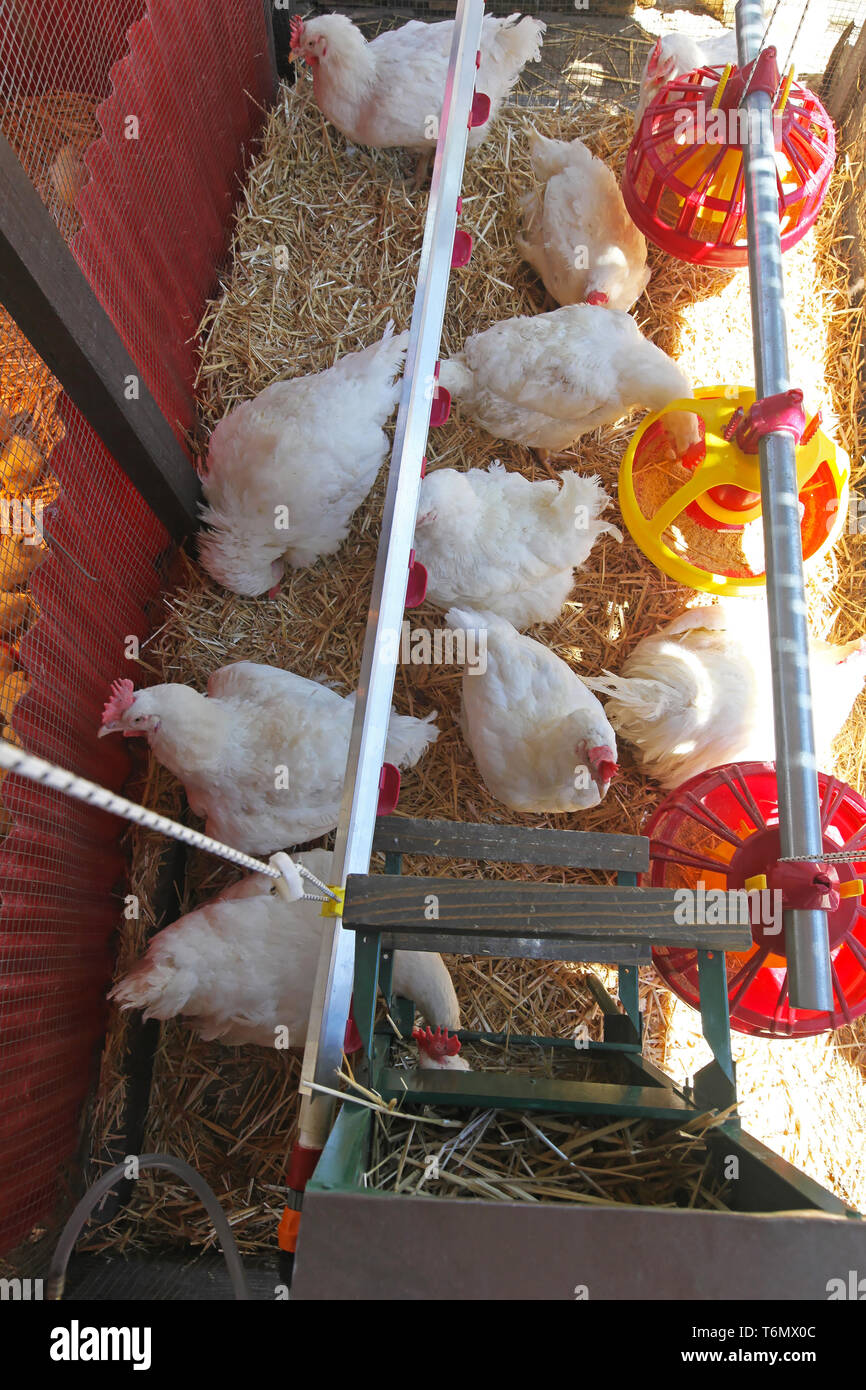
50	775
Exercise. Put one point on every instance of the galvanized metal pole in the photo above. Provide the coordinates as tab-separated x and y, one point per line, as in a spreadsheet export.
806	937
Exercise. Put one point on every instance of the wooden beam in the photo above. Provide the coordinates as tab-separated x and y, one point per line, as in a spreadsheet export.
511	844
845	75
267	10
50	299
559	912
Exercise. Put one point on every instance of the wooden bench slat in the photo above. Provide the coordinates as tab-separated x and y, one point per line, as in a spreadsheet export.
473	907
510	844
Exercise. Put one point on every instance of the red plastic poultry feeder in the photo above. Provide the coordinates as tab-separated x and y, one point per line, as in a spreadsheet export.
684	183
721	830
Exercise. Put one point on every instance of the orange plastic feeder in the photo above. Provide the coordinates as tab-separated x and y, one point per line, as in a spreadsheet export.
684	183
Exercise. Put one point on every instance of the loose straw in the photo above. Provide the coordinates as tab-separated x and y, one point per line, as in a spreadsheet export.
50	775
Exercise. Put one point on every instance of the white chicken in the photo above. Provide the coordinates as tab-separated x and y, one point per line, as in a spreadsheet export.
698	693
263	755
241	967
493	540
539	736
544	381
578	234
675	54
287	470
389	92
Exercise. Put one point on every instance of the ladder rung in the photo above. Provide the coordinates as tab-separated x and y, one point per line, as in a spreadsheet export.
432	909
502	1091
512	844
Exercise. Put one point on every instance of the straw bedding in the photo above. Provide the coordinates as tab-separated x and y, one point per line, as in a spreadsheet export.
353	232
498	1156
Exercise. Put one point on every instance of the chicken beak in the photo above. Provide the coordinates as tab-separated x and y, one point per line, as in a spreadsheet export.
115	727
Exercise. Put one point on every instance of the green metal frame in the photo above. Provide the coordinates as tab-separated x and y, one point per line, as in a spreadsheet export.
771	1183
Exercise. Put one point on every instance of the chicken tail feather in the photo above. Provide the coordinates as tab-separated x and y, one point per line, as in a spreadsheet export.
632	699
518	41
155	987
408	738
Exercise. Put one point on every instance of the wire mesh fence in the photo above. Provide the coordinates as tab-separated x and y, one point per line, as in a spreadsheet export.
79	576
133	120
595	49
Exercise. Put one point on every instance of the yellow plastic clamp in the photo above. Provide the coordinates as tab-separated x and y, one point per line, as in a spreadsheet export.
331	908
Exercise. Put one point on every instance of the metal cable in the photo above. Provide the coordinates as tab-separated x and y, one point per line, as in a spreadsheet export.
50	775
754	68
787	62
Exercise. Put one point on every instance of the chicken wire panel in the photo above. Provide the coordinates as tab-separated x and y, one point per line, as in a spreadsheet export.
597	49
68	605
136	138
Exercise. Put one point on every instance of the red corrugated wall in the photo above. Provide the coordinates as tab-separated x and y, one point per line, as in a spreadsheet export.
153	225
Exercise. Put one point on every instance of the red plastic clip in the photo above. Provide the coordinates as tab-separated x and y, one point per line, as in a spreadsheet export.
302	1165
480	110
765	76
807	885
424	466
478	58
389	790
772	415
416	588
352	1041
461	252
459	205
441	406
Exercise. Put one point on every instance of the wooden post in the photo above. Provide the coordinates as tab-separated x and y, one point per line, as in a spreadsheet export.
845	75
271	46
50	299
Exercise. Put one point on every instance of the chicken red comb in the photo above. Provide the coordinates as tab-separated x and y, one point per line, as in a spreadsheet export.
122	696
296	31
596	297
654	58
437	1045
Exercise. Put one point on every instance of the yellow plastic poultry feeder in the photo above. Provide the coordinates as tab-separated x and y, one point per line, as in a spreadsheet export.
712	493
